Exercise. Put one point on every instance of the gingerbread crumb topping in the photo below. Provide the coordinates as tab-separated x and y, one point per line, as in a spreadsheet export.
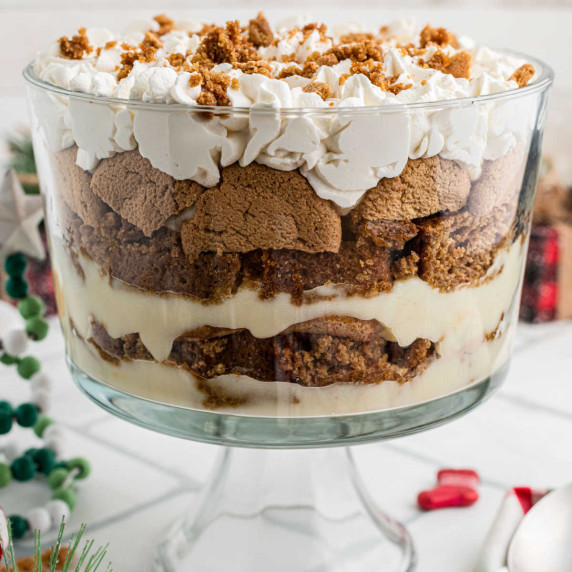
214	86
356	37
522	75
439	36
458	65
166	25
151	40
77	47
256	49
177	60
260	67
259	31
319	87
225	45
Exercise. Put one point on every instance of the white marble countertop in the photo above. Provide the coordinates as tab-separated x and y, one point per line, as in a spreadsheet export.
141	480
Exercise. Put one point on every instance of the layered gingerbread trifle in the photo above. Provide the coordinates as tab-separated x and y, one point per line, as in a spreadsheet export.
285	220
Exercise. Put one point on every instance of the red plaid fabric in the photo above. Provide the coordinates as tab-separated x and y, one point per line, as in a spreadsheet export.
540	288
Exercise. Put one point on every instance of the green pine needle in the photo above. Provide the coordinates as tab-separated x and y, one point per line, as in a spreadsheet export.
22	153
22	158
87	561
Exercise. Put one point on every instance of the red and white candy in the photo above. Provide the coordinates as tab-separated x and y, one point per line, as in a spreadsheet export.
456	487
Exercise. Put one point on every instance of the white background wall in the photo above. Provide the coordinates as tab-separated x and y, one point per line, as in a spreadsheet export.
539	27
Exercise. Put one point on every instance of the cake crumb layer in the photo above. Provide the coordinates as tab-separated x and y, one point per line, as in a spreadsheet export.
334	349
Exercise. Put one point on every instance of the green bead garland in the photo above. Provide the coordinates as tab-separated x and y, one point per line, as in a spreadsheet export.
28	366
45	460
16	287
5	475
5	423
57	477
66	495
6	407
60	474
26	414
82	465
42	424
15	265
7	359
23	468
19	526
31	306
37	328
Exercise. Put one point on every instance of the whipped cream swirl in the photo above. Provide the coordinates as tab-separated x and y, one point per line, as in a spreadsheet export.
342	154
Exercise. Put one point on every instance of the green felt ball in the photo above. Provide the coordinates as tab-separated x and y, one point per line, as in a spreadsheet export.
28	366
45	460
57	477
5	422
42	424
23	468
6	407
15	265
37	328
31	306
61	465
18	525
7	359
16	288
5	475
82	465
66	495
26	414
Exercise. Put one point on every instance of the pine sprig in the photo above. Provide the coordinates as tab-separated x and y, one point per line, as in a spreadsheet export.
21	153
87	560
22	160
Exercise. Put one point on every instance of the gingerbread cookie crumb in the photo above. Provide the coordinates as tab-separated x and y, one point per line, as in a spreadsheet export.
439	36
77	47
522	75
319	87
259	31
166	25
459	65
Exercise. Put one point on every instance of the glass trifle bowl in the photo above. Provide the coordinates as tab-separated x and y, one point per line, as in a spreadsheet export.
323	249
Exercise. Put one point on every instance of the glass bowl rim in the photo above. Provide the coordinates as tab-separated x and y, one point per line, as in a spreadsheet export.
542	83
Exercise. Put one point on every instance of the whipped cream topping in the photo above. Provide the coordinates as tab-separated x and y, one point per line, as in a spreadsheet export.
342	155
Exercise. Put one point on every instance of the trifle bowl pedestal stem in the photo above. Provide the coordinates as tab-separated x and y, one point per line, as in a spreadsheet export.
303	510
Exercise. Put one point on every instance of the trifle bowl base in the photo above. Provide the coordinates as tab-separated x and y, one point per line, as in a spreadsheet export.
235	430
285	494
285	511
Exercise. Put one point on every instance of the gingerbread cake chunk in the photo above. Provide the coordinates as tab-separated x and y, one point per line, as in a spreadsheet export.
141	194
74	185
258	207
425	187
499	182
460	248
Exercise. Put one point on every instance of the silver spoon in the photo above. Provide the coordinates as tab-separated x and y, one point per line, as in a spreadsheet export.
543	541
